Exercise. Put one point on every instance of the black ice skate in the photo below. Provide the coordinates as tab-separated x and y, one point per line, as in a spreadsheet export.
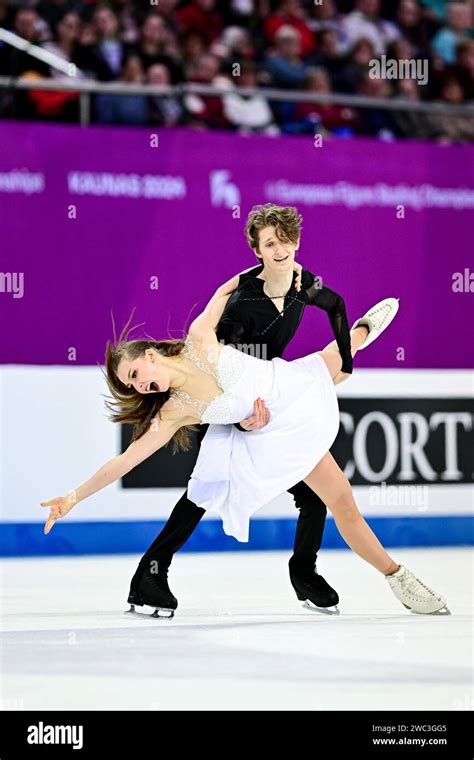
153	591
312	589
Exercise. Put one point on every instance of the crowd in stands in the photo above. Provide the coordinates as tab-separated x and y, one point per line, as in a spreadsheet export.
315	46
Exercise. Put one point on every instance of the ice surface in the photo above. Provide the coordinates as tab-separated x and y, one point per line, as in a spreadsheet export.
239	640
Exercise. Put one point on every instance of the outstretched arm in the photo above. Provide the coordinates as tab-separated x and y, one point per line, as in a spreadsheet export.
158	434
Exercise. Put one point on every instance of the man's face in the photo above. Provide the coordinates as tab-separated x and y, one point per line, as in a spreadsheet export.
276	255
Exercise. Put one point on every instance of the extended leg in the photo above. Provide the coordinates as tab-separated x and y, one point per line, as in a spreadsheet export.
328	480
330	483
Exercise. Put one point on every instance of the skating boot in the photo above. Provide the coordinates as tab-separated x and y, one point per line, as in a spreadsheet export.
377	319
153	591
414	595
312	589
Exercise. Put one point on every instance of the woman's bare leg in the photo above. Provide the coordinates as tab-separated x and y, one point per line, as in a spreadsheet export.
329	482
332	357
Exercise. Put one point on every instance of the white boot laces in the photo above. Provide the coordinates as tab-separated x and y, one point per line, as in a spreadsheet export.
415	587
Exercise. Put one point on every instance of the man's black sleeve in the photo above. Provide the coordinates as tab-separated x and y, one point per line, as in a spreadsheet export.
316	294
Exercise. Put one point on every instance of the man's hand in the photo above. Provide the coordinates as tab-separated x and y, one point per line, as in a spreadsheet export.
260	418
298	269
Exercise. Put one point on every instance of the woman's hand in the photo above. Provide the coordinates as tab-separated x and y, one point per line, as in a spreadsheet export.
260	418
59	507
298	269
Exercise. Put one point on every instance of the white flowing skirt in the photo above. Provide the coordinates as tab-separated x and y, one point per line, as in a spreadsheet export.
238	472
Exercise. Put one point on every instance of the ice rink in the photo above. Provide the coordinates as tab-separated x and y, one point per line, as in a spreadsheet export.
240	638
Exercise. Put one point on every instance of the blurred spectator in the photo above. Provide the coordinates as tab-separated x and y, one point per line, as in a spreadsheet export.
412	26
52	11
410	123
249	113
207	110
65	43
153	47
200	15
458	21
4	13
125	12
193	46
435	9
124	109
329	55
376	121
107	54
400	50
465	67
321	117
356	66
290	13
165	111
285	64
366	22
325	17
15	62
166	9
452	128
233	45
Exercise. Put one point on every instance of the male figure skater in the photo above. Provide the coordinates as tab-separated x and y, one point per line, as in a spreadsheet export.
263	313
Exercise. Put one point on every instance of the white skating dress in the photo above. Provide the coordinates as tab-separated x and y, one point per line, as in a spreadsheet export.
238	472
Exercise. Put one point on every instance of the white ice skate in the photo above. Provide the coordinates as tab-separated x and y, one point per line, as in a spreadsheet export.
414	595
377	319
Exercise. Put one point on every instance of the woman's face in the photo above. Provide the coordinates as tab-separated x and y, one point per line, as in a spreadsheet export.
276	256
362	54
147	374
69	27
408	13
452	92
320	82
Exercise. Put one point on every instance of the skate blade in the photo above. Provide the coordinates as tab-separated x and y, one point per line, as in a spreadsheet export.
161	613
334	610
443	612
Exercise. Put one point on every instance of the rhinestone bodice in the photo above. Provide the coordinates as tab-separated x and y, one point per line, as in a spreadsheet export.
227	366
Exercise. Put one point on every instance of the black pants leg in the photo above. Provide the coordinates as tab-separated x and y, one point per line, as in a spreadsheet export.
179	527
310	526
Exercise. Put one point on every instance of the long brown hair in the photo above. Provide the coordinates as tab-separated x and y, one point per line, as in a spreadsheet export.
129	406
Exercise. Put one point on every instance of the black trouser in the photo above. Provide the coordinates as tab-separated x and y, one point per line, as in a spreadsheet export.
186	515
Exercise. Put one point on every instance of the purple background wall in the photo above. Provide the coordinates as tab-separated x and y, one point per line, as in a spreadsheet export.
77	270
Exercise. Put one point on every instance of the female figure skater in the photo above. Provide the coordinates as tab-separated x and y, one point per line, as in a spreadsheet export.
236	472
